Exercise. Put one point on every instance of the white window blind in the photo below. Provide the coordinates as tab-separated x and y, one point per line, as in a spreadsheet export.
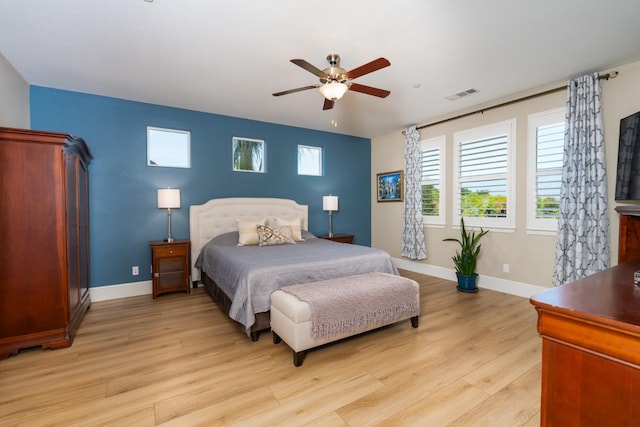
483	175
546	145
549	146
432	181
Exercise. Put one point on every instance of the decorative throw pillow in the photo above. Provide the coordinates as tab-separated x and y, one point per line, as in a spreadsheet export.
247	233
295	224
274	235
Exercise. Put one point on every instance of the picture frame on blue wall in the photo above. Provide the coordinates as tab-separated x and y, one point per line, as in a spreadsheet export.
390	186
248	154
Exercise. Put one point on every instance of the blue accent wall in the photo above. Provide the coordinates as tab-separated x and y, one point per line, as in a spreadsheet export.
124	216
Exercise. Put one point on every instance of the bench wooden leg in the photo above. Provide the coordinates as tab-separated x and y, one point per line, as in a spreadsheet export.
415	321
298	358
276	338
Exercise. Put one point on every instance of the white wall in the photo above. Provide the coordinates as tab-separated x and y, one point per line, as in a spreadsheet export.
531	257
14	97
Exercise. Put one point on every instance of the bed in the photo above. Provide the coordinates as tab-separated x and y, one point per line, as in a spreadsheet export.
241	278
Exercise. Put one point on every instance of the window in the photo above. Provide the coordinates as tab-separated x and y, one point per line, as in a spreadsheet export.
248	155
433	191
483	177
546	146
168	147
309	160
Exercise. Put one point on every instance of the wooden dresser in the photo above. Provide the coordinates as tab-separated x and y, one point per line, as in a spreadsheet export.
44	229
590	333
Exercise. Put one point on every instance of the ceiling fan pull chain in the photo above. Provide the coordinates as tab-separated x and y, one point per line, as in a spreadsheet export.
334	120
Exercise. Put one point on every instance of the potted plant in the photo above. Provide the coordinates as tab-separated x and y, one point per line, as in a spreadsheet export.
465	259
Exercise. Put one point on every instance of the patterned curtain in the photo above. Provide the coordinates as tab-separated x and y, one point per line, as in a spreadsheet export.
583	225
413	243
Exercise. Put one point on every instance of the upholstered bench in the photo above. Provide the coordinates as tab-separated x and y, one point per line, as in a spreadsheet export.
313	314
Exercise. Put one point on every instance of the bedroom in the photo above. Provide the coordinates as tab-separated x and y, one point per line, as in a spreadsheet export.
124	216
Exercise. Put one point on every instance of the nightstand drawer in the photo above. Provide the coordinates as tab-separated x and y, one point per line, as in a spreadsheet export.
174	250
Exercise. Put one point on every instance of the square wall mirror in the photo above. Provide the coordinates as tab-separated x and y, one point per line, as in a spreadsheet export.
168	148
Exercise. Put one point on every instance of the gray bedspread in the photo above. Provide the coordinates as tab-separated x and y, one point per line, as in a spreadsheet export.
249	274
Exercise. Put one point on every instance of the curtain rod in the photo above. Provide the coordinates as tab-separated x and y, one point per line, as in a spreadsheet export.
611	75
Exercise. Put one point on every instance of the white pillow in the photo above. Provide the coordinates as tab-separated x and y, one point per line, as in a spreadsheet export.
248	230
295	224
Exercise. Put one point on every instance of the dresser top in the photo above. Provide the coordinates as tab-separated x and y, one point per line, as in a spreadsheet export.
609	297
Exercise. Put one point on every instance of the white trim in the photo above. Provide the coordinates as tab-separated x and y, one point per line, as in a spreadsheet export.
123	290
520	289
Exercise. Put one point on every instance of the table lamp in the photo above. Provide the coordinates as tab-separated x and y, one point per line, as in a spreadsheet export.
168	198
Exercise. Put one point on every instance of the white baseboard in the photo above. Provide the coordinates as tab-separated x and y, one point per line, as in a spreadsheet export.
520	289
525	290
124	290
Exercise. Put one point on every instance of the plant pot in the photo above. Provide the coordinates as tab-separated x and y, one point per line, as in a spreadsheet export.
467	283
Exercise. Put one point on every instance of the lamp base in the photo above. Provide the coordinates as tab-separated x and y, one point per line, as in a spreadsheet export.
169	240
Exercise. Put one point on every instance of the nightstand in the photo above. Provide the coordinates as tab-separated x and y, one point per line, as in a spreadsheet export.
341	238
170	264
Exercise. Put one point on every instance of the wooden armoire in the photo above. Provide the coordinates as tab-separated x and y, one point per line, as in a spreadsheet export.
44	232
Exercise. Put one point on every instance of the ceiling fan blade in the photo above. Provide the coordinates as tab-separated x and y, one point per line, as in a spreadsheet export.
328	104
370	67
310	68
300	89
369	90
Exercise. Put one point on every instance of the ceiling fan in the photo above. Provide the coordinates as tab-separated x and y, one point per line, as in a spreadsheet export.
335	81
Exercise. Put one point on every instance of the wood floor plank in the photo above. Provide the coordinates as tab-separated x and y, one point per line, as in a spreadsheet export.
179	361
325	398
439	408
511	406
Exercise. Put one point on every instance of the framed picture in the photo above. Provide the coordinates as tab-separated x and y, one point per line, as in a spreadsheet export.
248	154
390	186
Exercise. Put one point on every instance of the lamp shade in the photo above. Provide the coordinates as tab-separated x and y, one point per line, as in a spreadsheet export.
168	198
329	203
333	90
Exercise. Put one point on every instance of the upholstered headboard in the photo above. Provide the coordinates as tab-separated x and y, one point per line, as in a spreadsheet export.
219	216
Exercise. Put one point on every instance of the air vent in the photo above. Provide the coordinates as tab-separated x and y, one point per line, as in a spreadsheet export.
459	95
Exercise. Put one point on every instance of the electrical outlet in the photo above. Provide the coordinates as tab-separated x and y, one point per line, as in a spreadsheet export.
134	270
505	268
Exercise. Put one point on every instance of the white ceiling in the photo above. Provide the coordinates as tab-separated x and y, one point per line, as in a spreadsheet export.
228	57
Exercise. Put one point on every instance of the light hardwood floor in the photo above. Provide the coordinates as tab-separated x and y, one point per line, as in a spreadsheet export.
178	361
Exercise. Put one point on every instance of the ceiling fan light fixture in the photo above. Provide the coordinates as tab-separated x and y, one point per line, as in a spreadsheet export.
333	90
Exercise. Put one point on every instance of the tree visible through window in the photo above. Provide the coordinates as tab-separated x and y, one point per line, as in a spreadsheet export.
248	154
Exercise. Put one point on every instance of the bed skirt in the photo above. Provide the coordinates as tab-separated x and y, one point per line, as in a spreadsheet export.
263	320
